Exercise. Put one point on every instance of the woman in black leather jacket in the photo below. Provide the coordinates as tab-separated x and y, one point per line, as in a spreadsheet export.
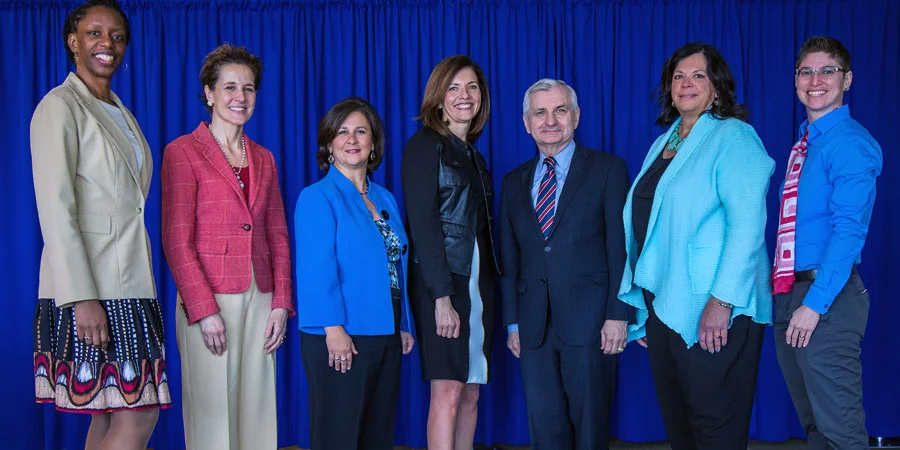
448	196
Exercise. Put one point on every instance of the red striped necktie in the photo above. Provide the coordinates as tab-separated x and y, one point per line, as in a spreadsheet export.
545	208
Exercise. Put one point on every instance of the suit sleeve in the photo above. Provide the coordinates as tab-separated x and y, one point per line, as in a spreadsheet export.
279	243
320	302
419	174
616	192
742	180
509	259
54	158
179	210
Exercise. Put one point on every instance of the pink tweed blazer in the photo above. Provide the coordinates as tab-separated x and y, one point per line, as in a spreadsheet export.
211	235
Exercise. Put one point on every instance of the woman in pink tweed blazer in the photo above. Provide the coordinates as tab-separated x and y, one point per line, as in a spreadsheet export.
226	240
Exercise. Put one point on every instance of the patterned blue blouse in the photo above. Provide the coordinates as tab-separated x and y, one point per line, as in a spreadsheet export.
392	245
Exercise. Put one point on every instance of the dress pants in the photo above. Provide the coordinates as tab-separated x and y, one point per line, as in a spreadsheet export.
825	377
706	399
356	409
229	400
568	392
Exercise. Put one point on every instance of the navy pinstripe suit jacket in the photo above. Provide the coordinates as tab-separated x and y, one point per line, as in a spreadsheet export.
577	271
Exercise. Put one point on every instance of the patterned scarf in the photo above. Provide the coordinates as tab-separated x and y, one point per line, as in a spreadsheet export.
783	270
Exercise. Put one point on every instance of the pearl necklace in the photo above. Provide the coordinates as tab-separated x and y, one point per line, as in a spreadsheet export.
237	172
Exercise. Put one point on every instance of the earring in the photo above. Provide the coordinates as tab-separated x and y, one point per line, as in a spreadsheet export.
330	158
673	103
372	156
124	68
209	103
716	101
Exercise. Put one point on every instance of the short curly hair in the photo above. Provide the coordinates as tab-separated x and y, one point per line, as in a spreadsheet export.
71	24
220	57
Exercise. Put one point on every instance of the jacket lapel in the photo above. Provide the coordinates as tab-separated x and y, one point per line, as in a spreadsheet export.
146	171
703	126
254	164
573	180
109	126
525	195
213	154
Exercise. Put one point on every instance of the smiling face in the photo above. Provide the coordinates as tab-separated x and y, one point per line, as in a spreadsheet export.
352	144
234	96
551	119
692	90
821	94
461	101
98	44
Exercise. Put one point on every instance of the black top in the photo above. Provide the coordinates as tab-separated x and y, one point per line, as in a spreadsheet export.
642	199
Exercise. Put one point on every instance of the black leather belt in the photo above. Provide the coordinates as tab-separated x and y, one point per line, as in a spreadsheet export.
810	275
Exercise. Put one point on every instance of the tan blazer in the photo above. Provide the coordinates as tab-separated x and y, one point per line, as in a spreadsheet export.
90	199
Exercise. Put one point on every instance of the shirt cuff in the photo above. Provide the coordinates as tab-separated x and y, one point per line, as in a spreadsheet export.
512	328
817	300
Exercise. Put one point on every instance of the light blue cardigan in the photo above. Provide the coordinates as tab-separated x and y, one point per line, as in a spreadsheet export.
706	234
342	268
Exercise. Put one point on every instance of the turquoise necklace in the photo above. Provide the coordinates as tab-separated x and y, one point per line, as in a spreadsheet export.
675	140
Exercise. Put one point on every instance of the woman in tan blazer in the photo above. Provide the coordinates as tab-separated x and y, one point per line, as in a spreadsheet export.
99	334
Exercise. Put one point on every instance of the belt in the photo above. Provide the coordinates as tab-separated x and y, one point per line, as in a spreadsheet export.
810	275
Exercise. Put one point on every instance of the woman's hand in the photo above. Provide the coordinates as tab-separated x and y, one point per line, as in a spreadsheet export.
91	324
340	348
407	341
446	318
275	329
714	326
213	329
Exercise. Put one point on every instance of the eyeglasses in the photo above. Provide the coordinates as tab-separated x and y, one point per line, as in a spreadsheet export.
826	72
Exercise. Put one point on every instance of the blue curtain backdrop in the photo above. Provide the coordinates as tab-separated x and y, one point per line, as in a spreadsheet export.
317	52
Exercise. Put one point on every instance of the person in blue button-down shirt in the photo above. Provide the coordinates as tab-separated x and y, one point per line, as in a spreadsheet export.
820	321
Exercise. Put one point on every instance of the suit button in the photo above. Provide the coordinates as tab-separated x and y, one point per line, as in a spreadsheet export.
139	209
246	227
547	249
543	281
403	250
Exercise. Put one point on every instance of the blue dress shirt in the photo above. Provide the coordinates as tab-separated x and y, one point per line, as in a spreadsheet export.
835	199
563	163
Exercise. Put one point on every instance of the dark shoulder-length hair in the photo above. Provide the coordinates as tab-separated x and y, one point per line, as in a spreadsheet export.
720	76
331	124
437	87
71	24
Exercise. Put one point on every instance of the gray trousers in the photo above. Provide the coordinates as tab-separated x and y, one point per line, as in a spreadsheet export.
825	378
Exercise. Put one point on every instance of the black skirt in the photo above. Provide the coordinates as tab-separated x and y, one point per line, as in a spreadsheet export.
452	359
129	374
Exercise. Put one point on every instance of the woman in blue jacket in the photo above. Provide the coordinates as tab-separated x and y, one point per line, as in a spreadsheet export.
697	263
353	311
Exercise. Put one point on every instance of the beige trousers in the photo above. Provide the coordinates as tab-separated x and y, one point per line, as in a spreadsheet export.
229	400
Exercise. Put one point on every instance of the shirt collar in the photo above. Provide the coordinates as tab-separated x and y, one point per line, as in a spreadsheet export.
825	123
563	158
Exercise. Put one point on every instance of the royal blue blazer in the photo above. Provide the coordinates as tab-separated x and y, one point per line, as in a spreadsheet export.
342	268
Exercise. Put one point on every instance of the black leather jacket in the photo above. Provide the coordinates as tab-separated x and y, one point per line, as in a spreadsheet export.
464	197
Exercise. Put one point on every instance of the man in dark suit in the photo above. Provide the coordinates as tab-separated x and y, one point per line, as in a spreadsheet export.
562	249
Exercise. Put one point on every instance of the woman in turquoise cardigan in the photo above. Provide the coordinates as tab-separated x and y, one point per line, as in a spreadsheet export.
697	267
352	308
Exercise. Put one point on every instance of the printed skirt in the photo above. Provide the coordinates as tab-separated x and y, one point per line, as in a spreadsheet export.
129	374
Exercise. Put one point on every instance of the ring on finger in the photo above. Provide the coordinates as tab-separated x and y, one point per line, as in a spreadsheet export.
343	358
336	357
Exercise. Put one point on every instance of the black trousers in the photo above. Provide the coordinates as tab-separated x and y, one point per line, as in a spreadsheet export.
356	409
706	399
568	392
825	377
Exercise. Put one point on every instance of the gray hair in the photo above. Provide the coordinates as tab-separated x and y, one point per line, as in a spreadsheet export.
546	84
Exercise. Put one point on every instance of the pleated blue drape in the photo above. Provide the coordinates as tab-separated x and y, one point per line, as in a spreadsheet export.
317	52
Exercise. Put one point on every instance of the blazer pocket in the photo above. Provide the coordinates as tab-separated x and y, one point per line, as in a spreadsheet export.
95	223
703	262
211	247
